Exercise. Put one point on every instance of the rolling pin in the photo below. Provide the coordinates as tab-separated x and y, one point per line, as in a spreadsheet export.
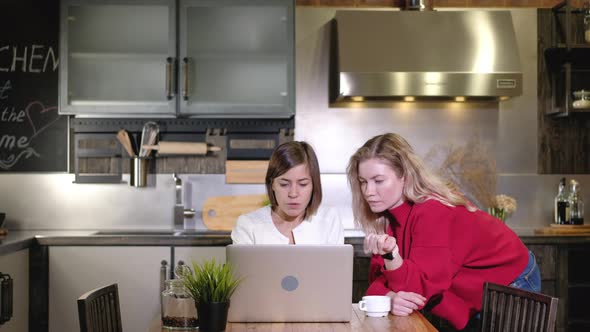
182	148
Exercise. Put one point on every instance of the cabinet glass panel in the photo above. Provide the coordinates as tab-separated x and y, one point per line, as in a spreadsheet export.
117	55
238	59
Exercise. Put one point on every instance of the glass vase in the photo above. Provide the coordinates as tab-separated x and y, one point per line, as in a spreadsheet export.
498	213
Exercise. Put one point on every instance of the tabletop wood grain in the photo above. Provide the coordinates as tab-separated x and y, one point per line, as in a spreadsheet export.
359	322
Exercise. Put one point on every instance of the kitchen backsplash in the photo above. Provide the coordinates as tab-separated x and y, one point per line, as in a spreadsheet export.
52	201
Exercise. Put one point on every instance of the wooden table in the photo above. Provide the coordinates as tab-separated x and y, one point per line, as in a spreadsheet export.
359	322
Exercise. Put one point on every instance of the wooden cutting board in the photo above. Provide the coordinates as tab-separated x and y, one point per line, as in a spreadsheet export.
245	171
221	212
555	229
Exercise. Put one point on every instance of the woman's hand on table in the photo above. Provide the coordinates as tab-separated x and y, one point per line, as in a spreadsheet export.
404	303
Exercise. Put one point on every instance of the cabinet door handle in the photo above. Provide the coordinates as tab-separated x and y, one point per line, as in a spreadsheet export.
185	81
169	67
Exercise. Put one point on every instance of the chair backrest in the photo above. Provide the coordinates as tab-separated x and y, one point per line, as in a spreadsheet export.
511	309
99	310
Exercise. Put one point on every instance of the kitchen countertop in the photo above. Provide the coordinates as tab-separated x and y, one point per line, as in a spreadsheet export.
18	240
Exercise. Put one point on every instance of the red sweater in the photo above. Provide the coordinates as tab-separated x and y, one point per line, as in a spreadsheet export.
448	252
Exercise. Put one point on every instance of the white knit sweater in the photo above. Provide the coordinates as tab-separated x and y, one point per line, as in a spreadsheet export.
257	227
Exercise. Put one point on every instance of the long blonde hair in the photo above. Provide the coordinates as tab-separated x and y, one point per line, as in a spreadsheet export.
420	183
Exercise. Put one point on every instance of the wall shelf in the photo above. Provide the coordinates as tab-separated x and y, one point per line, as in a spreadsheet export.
563	67
567	59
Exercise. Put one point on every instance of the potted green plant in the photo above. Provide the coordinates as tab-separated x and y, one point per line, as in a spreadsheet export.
211	285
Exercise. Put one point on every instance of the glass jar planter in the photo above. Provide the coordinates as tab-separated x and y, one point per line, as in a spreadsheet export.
178	307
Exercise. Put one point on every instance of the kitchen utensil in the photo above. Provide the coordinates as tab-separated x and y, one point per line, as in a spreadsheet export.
125	140
221	212
245	171
181	148
138	170
149	135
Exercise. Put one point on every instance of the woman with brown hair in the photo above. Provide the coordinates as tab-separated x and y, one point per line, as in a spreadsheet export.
294	215
431	247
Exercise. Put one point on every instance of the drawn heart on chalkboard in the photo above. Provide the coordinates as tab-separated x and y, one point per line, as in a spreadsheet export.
40	117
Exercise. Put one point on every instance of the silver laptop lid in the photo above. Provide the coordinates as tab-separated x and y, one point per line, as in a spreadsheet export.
291	283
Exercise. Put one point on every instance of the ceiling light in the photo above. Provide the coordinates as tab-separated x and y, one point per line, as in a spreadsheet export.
409	98
460	99
357	98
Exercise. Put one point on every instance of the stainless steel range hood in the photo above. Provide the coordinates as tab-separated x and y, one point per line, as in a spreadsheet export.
425	55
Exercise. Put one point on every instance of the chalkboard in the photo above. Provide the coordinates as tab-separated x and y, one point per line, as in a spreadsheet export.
33	136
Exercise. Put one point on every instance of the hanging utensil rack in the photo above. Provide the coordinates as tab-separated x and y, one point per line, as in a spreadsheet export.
245	139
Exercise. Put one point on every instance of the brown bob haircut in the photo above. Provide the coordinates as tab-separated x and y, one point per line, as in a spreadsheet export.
287	156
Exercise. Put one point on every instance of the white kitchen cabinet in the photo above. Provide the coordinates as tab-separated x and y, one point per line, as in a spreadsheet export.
228	58
76	270
198	254
16	264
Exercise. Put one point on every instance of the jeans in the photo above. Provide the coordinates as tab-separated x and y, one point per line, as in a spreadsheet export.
530	278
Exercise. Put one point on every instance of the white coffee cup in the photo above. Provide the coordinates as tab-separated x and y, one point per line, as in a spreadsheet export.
375	305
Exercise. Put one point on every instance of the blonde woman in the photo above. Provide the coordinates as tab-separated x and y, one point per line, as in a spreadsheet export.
430	246
295	215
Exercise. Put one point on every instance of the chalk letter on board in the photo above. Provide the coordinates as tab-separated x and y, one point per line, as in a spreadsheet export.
4	89
22	142
33	57
4	69
55	60
15	58
7	141
13	115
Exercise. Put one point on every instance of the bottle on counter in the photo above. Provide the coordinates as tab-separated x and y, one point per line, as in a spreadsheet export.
576	204
561	207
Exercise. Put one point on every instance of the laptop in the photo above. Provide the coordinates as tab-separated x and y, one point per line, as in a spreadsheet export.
291	283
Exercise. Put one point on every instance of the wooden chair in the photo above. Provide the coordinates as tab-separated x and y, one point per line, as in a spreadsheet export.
99	310
511	309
